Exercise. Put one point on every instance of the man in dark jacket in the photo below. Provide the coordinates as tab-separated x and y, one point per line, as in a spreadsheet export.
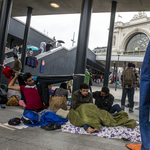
48	46
104	100
81	96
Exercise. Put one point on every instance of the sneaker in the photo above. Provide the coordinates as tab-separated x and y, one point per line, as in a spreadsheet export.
137	108
131	111
53	127
127	105
122	108
49	125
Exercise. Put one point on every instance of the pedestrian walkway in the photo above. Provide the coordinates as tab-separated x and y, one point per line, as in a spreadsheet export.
35	138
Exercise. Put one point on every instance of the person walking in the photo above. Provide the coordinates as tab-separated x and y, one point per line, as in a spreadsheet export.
130	80
48	46
15	50
90	83
42	46
17	64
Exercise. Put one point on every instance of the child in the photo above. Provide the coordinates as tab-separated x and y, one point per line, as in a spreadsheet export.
51	92
69	84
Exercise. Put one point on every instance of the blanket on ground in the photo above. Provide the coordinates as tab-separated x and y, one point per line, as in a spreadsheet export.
43	118
118	132
89	114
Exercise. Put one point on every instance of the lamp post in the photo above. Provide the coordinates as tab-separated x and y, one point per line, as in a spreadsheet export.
117	71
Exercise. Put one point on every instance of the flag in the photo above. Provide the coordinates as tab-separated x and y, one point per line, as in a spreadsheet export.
119	16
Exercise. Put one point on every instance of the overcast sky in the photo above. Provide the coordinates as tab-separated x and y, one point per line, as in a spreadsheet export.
63	26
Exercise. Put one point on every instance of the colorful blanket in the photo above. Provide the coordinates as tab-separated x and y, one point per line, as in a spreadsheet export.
117	132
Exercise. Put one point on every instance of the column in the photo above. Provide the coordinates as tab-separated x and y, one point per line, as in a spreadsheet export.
109	46
25	39
5	14
114	72
12	43
81	54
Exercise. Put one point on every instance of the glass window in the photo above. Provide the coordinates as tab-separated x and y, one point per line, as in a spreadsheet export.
137	43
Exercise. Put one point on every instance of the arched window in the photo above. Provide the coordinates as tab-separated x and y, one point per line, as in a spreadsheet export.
137	44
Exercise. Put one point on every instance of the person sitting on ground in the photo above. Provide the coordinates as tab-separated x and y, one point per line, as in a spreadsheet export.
62	91
104	100
17	64
80	97
32	102
51	92
34	106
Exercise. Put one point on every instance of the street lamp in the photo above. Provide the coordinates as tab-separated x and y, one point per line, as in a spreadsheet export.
117	70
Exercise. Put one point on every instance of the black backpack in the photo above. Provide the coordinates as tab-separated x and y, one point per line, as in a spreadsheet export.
3	97
129	77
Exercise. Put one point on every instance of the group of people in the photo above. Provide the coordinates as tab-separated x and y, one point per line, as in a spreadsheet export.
103	99
99	80
44	47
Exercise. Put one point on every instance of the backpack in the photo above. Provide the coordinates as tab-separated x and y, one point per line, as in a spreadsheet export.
128	77
14	121
3	99
13	101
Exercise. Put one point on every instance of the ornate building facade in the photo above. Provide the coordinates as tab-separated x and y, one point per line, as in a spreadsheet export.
130	41
132	38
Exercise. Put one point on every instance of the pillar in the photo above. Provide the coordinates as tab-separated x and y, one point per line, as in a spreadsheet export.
83	38
25	39
109	46
6	8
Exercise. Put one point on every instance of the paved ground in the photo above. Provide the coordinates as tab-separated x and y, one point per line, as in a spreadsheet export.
39	139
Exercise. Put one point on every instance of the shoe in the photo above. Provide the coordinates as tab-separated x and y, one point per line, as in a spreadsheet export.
131	111
122	108
49	125
53	127
137	108
127	105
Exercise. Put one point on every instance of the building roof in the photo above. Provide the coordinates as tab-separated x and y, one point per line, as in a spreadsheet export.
42	7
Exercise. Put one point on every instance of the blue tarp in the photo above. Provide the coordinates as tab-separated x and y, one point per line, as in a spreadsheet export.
145	101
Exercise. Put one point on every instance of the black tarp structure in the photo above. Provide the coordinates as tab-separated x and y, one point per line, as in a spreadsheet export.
42	83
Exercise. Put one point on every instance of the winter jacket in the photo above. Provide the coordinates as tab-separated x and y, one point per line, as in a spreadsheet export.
77	99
